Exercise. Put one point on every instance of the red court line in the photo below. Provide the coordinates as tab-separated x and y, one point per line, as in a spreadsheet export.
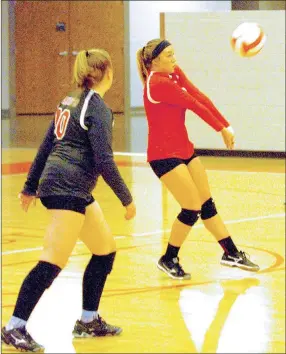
23	167
18	167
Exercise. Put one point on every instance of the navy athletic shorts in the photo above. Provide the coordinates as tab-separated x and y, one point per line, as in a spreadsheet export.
64	202
161	167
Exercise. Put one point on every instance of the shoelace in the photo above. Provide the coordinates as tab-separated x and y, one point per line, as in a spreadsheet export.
28	337
101	321
177	264
23	332
244	255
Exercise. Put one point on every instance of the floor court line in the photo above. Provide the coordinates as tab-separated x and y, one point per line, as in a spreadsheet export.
272	216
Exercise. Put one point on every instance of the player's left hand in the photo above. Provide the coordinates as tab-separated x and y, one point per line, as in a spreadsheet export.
228	137
26	201
130	211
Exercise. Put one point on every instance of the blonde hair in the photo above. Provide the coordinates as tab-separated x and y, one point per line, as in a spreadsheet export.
90	67
144	58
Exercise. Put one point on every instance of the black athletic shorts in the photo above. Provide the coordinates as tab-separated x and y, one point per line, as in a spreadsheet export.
161	167
64	202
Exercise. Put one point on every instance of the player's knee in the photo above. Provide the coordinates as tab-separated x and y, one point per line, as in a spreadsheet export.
45	273
208	209
189	217
108	262
102	264
53	256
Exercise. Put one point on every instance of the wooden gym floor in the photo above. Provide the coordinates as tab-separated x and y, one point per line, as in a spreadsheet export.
220	310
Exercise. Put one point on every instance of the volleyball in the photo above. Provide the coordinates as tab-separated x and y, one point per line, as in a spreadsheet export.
248	39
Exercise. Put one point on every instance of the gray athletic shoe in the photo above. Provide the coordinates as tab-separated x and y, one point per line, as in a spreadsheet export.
96	328
240	260
20	339
173	269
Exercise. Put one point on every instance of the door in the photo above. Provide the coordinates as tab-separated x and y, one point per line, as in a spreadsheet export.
100	24
42	60
47	35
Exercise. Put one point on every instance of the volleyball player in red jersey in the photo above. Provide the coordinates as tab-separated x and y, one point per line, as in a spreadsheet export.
168	93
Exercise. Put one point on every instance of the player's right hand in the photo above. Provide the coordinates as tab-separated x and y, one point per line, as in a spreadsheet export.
26	200
228	137
130	211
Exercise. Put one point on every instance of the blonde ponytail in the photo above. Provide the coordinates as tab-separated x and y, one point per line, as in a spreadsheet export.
143	72
90	67
144	58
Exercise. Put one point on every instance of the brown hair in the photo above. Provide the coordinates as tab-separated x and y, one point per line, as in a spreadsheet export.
90	67
144	58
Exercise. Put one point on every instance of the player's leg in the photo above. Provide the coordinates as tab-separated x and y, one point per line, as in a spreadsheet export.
180	184
59	240
213	222
97	236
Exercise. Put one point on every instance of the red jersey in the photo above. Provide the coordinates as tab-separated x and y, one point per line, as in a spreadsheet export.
166	99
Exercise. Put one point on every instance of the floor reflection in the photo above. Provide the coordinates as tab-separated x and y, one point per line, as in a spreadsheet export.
228	317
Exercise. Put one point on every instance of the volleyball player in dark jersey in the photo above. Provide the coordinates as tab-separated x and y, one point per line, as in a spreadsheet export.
74	153
168	93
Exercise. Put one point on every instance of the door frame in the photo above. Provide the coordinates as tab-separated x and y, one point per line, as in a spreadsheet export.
12	69
127	83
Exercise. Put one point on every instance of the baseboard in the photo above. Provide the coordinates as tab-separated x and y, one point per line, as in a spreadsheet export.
137	111
5	113
242	153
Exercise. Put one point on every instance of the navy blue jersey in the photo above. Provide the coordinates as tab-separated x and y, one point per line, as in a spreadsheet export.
76	150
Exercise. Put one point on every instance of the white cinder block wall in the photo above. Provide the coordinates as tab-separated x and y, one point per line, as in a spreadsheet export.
250	92
144	25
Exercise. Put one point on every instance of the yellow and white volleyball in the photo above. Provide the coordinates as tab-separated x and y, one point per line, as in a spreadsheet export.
248	39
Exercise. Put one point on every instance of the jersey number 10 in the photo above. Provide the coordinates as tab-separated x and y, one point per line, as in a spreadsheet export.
61	122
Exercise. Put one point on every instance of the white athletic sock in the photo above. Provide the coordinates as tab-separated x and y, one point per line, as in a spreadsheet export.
88	316
15	322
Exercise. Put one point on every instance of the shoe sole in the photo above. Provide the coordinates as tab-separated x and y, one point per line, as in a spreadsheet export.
87	335
243	267
170	275
23	350
39	350
4	342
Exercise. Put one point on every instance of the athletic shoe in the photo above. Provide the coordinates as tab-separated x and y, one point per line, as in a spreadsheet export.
20	339
240	260
96	328
173	268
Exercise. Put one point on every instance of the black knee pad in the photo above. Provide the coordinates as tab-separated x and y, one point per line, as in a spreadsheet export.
189	217
102	264
208	209
45	273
